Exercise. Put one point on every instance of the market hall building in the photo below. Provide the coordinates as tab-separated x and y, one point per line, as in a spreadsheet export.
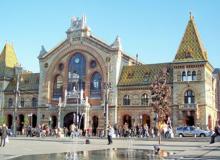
82	75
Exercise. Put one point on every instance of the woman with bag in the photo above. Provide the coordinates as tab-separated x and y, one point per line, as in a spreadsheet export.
4	135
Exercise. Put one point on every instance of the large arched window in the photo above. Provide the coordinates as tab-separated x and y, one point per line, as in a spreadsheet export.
189	97
194	75
126	100
144	99
77	65
10	102
57	87
95	85
183	76
34	102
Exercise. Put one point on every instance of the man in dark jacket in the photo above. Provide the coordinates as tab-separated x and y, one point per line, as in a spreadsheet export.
4	135
216	132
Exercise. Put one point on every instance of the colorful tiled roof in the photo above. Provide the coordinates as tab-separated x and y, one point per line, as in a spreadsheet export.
28	82
8	57
143	74
191	47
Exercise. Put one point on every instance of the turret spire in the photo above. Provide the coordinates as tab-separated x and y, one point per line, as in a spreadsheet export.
191	47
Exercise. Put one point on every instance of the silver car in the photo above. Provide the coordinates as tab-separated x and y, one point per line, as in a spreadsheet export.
191	131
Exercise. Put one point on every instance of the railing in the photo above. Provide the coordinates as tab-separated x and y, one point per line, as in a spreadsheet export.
188	106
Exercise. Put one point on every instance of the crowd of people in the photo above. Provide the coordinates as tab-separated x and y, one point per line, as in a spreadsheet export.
116	131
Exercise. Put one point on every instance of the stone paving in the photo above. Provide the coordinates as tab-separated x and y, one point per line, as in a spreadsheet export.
184	148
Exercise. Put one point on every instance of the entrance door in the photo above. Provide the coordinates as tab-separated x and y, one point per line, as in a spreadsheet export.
95	123
54	122
21	122
189	118
146	120
34	120
9	121
69	119
127	120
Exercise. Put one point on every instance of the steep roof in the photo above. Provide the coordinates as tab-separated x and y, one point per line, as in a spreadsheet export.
28	82
8	57
143	74
191	47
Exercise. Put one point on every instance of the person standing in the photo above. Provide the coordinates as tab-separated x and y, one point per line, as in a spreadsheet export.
4	135
110	134
216	132
29	131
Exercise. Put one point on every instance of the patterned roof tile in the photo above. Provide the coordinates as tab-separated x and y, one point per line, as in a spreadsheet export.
143	74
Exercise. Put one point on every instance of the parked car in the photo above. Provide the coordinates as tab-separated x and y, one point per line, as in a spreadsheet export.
191	131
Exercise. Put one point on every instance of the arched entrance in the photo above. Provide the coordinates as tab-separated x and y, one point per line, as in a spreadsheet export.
71	118
95	123
210	122
21	122
34	120
189	118
146	120
9	121
54	122
127	119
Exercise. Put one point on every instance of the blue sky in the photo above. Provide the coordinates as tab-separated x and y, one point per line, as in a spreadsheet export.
153	29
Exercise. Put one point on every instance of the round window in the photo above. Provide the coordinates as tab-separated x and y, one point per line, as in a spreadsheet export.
93	64
76	60
61	66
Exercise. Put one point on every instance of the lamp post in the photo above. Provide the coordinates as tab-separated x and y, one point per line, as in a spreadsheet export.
107	86
18	70
60	105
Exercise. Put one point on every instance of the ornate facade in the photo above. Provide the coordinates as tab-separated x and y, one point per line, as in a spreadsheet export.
82	74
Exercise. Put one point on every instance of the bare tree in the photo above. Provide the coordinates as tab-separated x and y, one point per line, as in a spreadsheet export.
160	93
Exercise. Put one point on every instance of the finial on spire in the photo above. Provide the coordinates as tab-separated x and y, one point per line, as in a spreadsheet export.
190	15
117	43
42	51
136	58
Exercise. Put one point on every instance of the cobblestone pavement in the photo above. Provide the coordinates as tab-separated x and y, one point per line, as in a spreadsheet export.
180	148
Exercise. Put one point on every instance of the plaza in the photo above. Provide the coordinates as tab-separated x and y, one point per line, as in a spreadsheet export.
179	148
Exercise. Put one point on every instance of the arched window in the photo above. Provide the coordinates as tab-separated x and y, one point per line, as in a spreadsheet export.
189	97
126	100
34	102
183	76
77	65
144	99
95	85
57	87
189	76
22	102
10	102
194	75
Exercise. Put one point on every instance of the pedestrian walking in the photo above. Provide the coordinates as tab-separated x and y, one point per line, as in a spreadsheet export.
29	131
216	132
110	134
3	135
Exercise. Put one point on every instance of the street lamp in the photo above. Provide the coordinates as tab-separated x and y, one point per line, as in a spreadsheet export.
18	70
60	105
107	86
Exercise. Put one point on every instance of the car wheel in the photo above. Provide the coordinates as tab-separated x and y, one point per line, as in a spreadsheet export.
202	135
180	135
